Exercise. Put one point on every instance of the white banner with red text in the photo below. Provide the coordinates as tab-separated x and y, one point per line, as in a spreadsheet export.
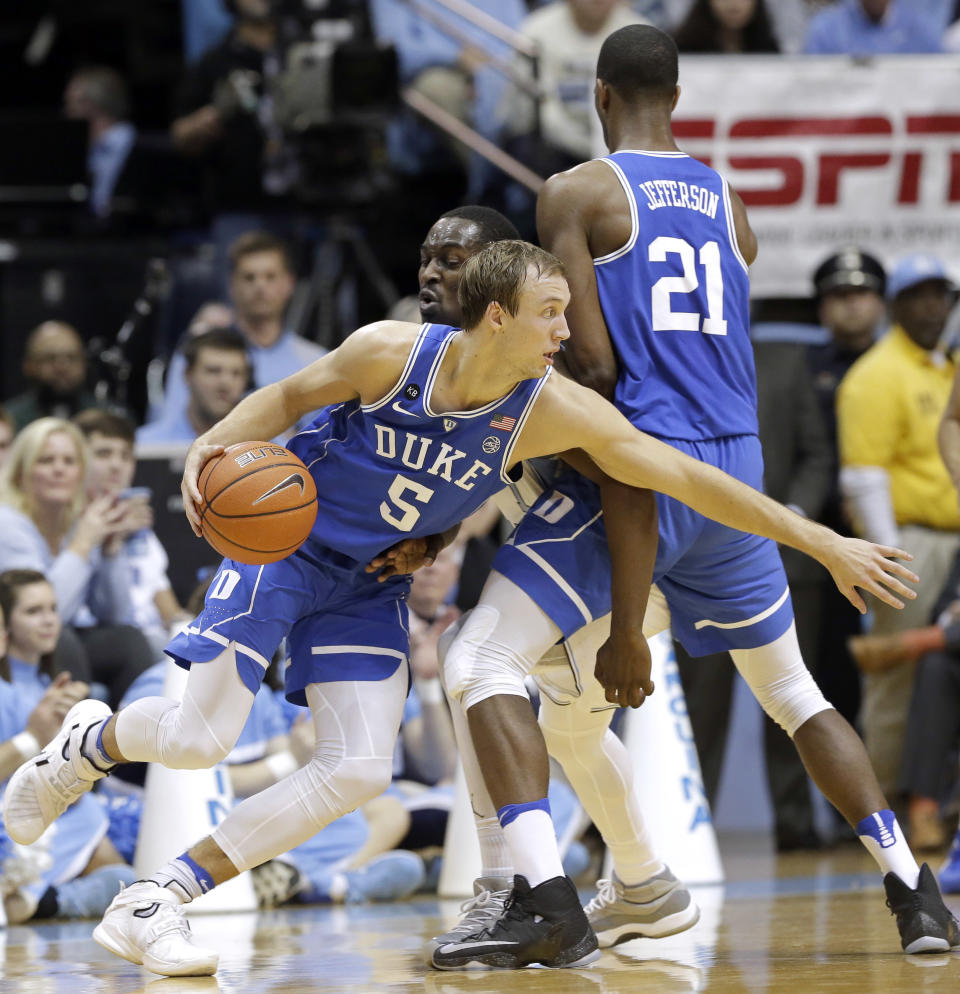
827	152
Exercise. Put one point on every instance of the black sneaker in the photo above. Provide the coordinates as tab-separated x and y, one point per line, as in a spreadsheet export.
925	922
544	924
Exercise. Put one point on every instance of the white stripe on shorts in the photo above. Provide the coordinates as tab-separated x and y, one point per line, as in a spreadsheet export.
762	616
373	650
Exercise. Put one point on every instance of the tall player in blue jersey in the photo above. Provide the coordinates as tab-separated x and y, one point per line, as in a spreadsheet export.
656	247
423	424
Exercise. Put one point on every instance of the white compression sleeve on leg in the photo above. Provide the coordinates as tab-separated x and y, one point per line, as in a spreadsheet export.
497	645
781	682
356	725
599	769
196	733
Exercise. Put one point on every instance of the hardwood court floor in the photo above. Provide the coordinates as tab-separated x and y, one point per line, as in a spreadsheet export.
804	923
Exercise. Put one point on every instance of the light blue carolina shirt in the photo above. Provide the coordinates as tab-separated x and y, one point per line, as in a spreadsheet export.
99	583
844	29
173	427
289	354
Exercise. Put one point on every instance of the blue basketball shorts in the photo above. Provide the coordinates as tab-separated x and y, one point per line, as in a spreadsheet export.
340	624
725	589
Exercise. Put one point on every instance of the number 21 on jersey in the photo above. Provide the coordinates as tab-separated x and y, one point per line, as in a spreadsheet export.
664	317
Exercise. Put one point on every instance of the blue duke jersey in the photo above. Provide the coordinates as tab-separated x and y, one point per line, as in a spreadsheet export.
385	471
396	469
675	299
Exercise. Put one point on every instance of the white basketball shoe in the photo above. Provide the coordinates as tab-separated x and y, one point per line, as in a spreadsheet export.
45	786
145	924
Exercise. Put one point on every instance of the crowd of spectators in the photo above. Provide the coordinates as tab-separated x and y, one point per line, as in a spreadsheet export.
848	426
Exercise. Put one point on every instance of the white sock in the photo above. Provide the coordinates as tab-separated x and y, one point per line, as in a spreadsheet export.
533	846
495	858
883	839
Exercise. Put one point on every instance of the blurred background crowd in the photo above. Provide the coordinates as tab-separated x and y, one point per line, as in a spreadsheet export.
200	197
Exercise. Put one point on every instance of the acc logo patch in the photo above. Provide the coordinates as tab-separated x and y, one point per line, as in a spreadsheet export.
490	444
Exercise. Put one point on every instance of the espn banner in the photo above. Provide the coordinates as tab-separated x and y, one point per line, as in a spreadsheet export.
827	152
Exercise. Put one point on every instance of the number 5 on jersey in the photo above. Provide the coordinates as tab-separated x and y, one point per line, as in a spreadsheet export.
401	487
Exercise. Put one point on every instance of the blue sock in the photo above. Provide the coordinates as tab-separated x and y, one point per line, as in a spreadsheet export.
510	812
98	754
189	876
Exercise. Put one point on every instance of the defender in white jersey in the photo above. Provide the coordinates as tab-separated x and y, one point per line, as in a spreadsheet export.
656	247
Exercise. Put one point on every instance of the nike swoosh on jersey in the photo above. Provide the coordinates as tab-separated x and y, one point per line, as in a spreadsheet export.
396	407
294	479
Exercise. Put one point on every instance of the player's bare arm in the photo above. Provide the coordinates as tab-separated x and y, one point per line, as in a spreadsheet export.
367	365
630	518
746	239
948	436
583	214
582	418
569	207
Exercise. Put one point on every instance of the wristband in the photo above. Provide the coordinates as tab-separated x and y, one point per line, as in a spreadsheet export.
26	744
429	691
281	764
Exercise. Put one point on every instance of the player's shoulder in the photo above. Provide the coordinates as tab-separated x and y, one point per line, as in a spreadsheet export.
588	189
382	341
579	179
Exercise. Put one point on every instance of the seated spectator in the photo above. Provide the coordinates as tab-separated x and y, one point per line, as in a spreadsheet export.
450	68
569	34
872	27
99	96
55	366
262	281
48	526
74	872
727	27
112	466
217	373
8	429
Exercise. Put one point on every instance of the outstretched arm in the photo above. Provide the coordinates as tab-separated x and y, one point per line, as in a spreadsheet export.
582	419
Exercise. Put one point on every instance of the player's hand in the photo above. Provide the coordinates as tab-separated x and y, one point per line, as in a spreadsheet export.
854	563
623	668
198	456
46	718
406	556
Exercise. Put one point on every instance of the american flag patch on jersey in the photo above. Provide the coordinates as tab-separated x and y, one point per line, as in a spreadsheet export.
503	421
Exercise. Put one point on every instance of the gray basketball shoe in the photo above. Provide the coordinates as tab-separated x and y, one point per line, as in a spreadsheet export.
481	911
654	908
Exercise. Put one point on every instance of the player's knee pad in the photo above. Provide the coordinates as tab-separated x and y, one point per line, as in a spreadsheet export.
341	786
477	666
791	697
194	748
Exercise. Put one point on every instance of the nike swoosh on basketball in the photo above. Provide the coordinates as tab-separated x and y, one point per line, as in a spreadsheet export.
410	414
294	479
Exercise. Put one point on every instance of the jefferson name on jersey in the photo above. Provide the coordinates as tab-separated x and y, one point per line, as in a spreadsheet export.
676	193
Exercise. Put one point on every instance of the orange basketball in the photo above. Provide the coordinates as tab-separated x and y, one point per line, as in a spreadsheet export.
259	502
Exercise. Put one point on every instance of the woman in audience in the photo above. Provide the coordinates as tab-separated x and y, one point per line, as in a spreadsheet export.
726	27
47	525
41	881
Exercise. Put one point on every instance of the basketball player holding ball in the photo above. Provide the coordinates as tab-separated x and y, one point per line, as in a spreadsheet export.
421	425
